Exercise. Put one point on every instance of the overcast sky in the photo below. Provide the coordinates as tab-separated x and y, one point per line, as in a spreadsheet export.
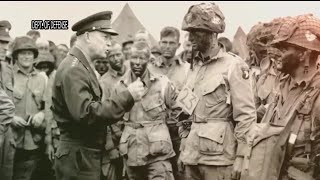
153	15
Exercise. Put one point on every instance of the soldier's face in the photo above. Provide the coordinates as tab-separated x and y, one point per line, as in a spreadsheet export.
116	58
4	45
101	65
290	59
43	47
200	40
62	52
127	50
25	58
169	46
138	63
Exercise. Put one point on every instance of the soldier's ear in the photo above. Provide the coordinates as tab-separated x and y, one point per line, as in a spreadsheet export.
179	44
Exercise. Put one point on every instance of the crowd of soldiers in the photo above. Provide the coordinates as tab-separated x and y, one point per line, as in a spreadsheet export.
107	110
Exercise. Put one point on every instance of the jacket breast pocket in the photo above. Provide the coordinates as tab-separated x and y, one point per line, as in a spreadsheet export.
153	105
17	96
214	92
211	138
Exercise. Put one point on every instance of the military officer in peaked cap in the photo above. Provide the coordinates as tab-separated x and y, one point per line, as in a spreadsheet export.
81	115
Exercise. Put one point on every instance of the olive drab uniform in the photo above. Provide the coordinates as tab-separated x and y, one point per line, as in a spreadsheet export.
82	117
176	71
6	110
7	143
295	110
145	142
112	162
225	94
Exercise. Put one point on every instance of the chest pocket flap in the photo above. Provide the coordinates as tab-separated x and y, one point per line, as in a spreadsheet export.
152	102
213	83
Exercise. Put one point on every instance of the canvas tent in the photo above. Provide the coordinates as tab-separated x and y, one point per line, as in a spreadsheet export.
239	43
127	24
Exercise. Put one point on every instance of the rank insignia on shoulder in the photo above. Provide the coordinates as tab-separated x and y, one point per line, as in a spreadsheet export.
245	73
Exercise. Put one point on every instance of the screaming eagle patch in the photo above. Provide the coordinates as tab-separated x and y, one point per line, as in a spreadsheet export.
245	73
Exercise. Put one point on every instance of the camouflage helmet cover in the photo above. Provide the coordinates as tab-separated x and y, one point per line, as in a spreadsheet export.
302	31
204	16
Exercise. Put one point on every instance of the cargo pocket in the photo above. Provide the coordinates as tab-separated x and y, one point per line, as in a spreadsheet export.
88	160
17	96
62	151
153	105
211	138
159	140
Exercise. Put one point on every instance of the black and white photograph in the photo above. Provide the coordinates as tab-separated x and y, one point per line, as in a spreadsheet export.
159	90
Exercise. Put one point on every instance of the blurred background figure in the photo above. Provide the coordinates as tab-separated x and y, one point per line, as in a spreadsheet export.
225	43
101	66
185	55
34	35
43	45
126	47
73	40
61	52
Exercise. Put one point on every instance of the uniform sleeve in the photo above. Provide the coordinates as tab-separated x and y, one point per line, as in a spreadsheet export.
7	107
242	97
80	101
315	137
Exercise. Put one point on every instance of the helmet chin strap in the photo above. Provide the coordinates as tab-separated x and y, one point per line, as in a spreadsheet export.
306	58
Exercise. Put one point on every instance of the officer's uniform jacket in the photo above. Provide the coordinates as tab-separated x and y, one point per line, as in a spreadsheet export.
77	106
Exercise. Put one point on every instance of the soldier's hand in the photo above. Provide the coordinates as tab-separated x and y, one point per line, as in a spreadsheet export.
136	89
237	168
37	119
18	122
180	165
50	152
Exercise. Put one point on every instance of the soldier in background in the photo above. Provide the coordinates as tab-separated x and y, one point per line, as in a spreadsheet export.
225	43
287	146
221	101
126	47
7	107
185	55
28	123
101	66
112	163
34	35
171	66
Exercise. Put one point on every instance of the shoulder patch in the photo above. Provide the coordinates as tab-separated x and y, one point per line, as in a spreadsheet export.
245	72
